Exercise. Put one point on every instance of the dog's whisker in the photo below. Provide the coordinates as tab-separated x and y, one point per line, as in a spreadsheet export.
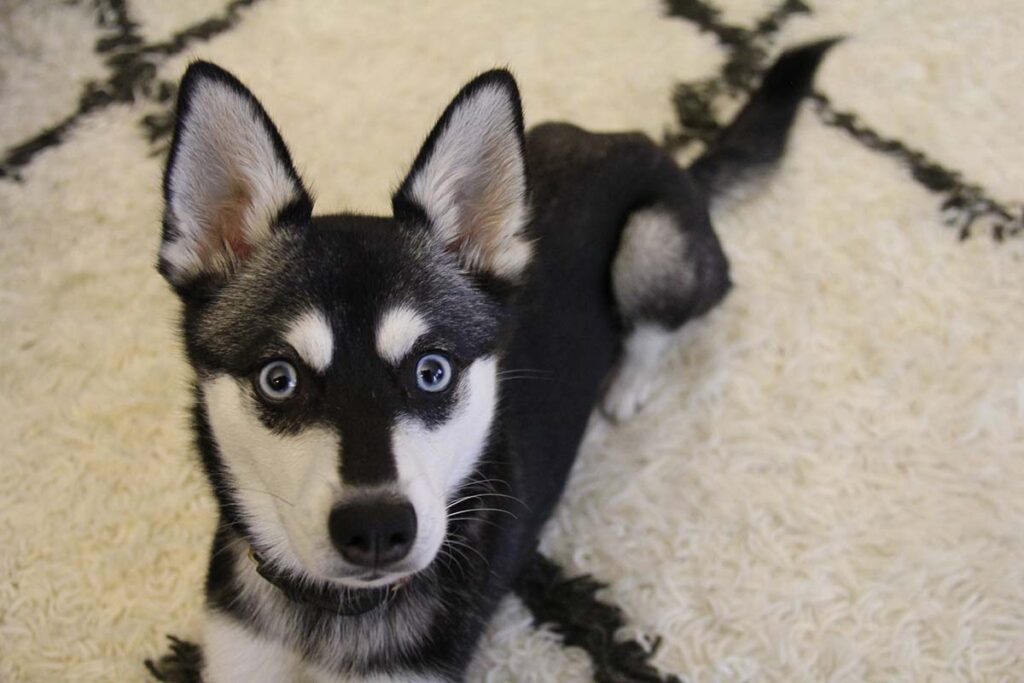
462	547
457	543
449	560
480	496
533	371
461	560
501	510
464	499
490	480
475	496
512	378
268	493
477	520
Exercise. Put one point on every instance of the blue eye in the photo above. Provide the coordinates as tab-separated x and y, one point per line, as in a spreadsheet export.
278	380
433	373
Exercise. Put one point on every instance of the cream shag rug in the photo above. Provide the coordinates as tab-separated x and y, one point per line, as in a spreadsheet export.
829	487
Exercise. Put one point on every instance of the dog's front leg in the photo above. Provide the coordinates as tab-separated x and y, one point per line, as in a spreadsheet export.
235	654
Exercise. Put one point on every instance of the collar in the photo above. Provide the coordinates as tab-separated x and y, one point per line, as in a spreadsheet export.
344	602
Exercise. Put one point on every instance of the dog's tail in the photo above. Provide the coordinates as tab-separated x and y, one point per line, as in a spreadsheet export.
757	136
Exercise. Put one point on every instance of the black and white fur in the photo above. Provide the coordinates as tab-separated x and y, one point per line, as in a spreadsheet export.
369	526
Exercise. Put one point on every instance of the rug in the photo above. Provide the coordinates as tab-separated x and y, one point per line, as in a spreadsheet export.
828	487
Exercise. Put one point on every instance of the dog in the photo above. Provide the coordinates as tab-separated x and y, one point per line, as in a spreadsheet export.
387	408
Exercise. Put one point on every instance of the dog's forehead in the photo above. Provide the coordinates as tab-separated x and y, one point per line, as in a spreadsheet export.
373	274
347	285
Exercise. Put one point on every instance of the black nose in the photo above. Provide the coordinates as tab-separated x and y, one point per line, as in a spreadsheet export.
373	534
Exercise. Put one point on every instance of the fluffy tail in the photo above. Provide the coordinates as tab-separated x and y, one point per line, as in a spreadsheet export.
757	136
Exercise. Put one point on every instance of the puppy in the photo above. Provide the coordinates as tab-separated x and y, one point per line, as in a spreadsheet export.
387	407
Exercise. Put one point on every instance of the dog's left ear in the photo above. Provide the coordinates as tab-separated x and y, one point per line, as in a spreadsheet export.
468	183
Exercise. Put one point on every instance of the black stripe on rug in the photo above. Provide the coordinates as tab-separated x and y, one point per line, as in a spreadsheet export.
965	204
132	66
747	52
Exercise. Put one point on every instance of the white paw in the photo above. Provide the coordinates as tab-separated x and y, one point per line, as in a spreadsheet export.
630	390
639	374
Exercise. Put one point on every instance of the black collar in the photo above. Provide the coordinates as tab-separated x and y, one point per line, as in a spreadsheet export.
344	602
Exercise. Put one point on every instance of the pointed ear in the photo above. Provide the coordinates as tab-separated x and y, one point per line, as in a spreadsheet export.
229	180
468	183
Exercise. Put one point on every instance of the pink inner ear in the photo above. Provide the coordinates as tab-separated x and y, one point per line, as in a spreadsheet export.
239	247
489	204
226	227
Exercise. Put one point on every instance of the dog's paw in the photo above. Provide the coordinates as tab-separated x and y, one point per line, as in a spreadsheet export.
630	391
639	373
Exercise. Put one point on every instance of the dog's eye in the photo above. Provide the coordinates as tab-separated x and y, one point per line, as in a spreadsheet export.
278	380
433	373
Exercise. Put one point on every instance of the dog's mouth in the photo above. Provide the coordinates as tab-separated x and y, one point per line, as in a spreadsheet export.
347	598
375	579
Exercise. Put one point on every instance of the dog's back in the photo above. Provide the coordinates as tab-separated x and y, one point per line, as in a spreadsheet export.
605	272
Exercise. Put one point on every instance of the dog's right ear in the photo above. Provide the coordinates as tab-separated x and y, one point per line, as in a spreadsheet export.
229	183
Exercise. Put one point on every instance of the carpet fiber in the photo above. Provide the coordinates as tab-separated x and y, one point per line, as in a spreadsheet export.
830	484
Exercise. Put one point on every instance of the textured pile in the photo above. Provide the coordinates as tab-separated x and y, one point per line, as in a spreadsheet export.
830	485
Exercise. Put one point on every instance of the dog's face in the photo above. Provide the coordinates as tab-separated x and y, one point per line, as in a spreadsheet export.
346	365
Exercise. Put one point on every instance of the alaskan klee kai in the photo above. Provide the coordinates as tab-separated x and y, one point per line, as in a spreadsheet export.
387	407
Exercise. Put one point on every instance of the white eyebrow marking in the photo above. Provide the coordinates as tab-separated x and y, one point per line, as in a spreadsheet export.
311	336
398	331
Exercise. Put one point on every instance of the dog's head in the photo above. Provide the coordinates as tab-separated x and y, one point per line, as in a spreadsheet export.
345	365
